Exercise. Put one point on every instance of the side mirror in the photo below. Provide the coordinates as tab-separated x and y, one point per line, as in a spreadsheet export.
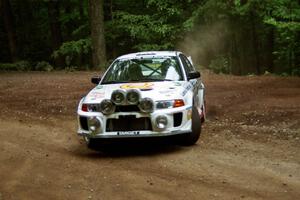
95	79
193	75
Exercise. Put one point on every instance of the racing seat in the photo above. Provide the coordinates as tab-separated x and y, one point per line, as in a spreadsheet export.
164	67
168	70
135	72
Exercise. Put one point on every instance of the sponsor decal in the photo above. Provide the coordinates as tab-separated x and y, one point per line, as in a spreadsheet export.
186	89
96	95
193	82
166	91
141	86
128	133
99	86
189	108
189	114
177	84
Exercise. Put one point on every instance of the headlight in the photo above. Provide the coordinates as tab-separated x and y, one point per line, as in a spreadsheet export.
94	107
91	107
133	96
94	124
118	97
164	104
146	105
161	121
169	104
107	107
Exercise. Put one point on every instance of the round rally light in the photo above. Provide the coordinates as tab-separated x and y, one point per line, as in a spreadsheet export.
146	105
161	122
133	96
118	97
94	124
107	107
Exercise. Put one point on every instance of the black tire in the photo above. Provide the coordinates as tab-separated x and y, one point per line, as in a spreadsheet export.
90	143
192	137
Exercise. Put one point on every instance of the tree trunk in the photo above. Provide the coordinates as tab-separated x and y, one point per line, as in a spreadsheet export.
81	22
235	50
9	25
255	44
270	49
55	29
81	10
97	33
114	49
68	24
235	56
297	56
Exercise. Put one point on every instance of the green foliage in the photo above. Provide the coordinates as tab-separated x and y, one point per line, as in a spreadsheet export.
291	26
284	17
166	6
43	66
154	25
296	71
153	47
259	35
18	66
220	65
236	36
72	49
143	31
71	69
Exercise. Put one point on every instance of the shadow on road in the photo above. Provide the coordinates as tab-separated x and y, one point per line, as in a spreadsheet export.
129	148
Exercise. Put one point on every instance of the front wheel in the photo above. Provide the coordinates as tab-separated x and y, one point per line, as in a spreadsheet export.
192	137
90	142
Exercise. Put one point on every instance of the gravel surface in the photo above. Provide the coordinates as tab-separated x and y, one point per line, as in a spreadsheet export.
249	147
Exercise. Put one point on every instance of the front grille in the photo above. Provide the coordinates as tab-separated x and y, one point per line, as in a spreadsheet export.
128	123
127	108
177	118
83	123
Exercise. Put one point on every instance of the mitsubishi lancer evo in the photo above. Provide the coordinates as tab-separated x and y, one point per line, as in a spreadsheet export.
145	94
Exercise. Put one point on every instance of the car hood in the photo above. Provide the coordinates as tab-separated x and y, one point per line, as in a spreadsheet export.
166	90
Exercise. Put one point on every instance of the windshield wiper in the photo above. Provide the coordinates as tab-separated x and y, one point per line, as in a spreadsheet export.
114	82
136	80
154	79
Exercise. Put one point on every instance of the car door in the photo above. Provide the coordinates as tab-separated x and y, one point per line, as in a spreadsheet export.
198	87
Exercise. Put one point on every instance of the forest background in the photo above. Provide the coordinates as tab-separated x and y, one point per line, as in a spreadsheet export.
239	37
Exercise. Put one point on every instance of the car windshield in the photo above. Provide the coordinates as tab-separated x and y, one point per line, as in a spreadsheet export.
144	69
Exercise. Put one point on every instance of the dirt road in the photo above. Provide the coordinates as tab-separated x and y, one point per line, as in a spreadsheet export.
249	147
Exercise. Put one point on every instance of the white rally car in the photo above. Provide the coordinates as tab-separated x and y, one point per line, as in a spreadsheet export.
145	94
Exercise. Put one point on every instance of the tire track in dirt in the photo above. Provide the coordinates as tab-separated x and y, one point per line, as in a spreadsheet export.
236	157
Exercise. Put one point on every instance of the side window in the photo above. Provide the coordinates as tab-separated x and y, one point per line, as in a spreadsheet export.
185	65
188	67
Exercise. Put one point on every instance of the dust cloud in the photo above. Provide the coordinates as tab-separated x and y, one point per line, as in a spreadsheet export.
204	43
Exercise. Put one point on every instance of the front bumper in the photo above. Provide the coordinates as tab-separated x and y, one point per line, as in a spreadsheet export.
170	130
143	135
